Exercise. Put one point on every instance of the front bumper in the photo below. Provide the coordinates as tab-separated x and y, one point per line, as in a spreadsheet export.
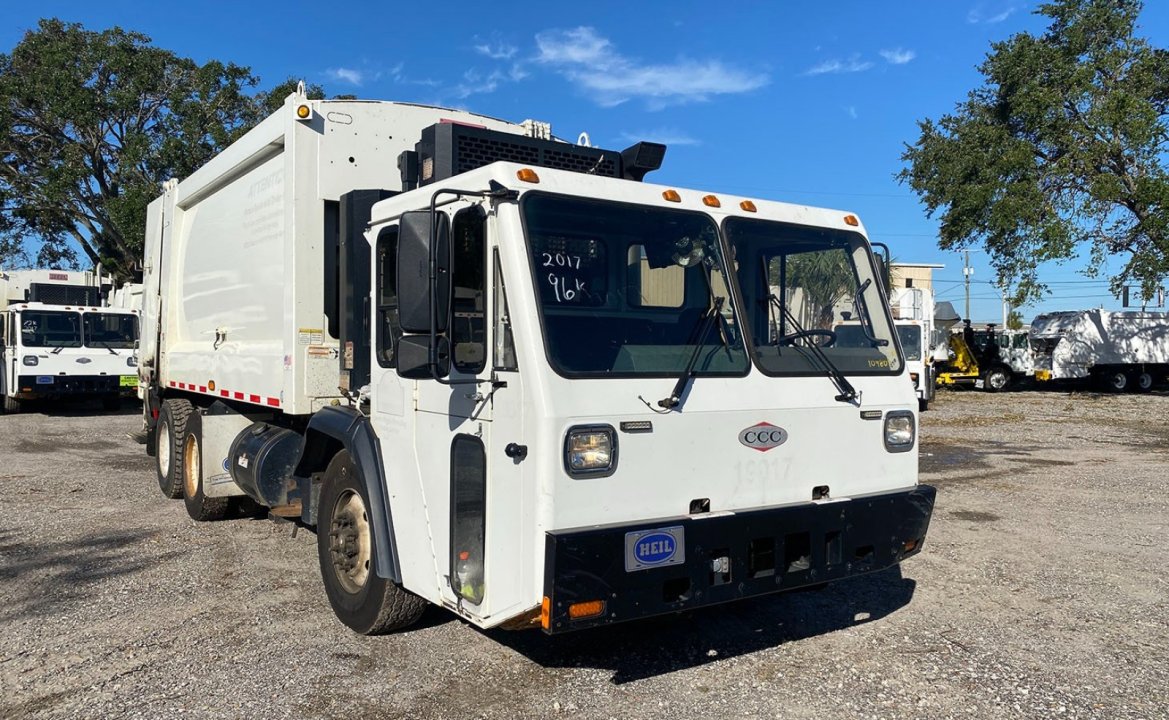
33	387
769	550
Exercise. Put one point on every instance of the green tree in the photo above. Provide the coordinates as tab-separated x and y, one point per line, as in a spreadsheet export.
91	123
1063	147
1014	320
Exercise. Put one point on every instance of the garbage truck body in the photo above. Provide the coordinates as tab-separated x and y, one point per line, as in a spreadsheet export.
1126	350
502	374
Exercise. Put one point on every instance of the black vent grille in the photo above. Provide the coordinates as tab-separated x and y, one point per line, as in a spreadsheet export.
55	294
475	152
448	149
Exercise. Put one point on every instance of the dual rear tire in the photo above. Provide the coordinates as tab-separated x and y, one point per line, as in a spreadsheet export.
178	453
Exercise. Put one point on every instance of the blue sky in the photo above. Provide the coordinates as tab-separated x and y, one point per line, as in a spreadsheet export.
795	101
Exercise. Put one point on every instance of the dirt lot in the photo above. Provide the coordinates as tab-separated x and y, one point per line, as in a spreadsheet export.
1041	593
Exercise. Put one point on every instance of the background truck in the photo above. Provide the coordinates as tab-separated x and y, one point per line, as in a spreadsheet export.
60	342
913	316
1119	350
511	379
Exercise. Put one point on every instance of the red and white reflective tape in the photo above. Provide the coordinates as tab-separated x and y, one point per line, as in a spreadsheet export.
230	394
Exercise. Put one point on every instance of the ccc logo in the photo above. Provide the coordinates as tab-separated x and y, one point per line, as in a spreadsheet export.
763	437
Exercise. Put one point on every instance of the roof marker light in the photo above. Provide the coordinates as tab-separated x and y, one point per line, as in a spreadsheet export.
711	201
527	175
303	111
851	220
672	196
748	206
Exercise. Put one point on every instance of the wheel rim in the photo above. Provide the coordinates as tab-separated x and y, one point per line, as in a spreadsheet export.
998	380
163	450
1145	381
349	544
1119	381
192	466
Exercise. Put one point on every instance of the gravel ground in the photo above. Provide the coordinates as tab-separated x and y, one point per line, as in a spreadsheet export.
1040	593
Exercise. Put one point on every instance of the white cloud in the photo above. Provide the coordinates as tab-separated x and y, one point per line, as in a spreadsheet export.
663	135
851	110
476	83
898	56
594	63
498	51
346	75
835	66
980	15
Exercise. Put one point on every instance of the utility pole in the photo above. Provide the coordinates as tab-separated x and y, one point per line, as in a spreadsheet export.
967	271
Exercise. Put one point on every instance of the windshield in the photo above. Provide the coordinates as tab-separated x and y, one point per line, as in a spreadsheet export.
110	330
910	337
623	289
822	278
50	328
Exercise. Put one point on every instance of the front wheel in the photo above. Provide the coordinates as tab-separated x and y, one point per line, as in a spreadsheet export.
368	604
922	404
997	379
1144	381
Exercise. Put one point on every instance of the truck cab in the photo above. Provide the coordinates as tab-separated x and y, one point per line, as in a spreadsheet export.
64	351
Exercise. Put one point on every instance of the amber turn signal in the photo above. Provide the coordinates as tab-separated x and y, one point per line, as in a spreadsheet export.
587	609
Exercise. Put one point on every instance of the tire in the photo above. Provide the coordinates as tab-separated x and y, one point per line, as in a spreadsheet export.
1144	381
199	506
168	446
11	405
996	379
922	404
366	603
1115	380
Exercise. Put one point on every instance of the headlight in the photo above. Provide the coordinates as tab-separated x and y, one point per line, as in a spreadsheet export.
900	431
30	360
132	361
590	450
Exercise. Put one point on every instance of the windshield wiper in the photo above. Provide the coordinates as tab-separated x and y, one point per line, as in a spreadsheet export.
106	345
848	393
701	330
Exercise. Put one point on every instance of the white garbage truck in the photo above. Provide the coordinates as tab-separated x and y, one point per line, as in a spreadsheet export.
60	342
1121	351
500	373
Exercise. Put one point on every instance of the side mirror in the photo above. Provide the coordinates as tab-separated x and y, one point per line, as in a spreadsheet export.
414	357
415	292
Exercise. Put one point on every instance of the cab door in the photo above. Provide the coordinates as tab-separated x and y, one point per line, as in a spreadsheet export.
459	429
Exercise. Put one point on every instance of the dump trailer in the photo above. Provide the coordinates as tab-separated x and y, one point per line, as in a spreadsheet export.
59	342
502	374
1118	350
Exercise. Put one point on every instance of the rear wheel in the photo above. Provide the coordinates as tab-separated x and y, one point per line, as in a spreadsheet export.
199	506
11	405
168	445
1115	380
368	604
1144	381
996	379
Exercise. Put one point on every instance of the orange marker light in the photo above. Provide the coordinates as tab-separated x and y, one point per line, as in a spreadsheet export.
546	613
527	175
851	220
748	206
587	609
304	112
711	201
672	196
211	385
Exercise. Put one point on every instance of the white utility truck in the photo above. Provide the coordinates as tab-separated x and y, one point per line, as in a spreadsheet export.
1120	350
59	342
498	373
913	317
